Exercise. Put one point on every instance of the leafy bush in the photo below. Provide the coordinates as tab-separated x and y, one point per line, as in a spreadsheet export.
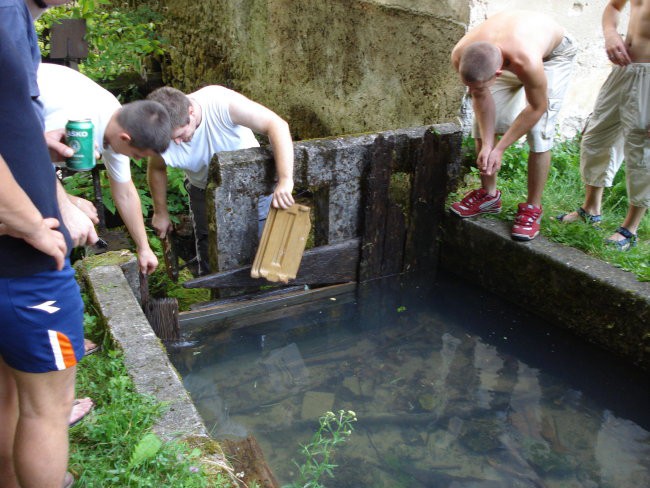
119	39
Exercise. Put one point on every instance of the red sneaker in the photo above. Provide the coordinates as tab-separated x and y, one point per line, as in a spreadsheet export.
477	202
527	221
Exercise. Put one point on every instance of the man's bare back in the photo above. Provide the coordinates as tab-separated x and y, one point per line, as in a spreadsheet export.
522	36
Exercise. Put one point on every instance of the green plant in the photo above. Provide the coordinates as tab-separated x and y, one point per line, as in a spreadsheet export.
334	429
115	446
120	38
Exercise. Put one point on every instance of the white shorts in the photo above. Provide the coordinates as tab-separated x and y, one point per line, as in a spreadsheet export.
510	98
617	130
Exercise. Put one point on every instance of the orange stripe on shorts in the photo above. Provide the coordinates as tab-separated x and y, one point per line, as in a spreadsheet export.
67	351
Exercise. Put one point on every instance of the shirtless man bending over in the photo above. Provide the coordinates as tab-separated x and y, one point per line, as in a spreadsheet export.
516	66
619	127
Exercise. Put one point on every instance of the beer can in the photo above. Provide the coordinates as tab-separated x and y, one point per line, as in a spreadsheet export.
80	137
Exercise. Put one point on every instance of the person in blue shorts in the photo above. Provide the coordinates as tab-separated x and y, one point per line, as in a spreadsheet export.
41	311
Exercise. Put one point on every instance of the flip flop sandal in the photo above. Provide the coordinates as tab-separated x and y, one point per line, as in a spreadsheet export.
94	348
624	244
79	419
593	220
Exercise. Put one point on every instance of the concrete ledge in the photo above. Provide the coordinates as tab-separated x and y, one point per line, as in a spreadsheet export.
603	304
144	355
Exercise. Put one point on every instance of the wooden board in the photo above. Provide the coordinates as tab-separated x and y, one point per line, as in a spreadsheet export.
334	263
282	245
197	320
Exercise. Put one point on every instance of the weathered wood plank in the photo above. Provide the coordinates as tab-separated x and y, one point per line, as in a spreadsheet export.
335	263
440	152
247	457
375	207
393	254
195	320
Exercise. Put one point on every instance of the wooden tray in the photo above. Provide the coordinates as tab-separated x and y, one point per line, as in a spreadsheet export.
282	244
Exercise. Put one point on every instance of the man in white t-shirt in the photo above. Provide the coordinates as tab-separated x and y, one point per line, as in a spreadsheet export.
208	121
136	130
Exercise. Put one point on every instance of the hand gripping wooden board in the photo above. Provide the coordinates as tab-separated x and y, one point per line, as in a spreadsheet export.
282	244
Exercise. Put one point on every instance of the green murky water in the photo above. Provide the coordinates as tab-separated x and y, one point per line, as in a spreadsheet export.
452	388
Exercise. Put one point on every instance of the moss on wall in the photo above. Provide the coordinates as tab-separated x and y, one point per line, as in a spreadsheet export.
329	67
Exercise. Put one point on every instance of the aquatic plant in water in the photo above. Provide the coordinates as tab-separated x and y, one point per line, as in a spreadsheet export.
334	429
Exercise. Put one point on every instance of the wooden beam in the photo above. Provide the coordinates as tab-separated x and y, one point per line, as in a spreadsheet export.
335	263
375	208
196	320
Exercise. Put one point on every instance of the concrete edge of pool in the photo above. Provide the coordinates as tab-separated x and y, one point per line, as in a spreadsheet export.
613	309
595	300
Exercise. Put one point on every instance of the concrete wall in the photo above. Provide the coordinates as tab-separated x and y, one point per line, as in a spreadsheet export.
333	67
329	67
598	302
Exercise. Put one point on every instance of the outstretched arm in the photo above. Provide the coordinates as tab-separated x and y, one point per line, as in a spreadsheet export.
260	119
21	219
128	204
157	178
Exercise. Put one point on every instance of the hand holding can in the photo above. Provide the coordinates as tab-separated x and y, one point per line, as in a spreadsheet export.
80	137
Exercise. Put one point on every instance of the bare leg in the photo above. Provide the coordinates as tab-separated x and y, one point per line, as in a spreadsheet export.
9	416
488	182
592	204
41	443
538	166
631	222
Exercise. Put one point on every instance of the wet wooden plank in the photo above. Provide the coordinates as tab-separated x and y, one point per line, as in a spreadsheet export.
393	247
375	207
440	152
195	320
335	263
246	457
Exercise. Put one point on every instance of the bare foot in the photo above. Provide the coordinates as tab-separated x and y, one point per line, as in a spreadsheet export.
68	481
90	347
570	218
80	408
616	237
580	215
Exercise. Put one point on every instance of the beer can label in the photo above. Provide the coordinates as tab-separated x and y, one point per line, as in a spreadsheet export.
80	137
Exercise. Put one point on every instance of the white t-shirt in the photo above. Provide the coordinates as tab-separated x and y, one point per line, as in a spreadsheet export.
66	95
215	133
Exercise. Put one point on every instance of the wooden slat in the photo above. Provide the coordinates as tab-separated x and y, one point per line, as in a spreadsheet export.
247	457
335	263
440	152
197	319
393	253
375	208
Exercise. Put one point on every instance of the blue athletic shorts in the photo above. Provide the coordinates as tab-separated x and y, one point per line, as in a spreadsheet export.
41	321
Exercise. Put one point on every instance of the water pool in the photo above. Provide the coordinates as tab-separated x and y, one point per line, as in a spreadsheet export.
452	387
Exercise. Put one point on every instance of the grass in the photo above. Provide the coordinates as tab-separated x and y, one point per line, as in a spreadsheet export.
114	445
564	192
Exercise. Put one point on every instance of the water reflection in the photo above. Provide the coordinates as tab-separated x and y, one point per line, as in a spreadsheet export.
452	388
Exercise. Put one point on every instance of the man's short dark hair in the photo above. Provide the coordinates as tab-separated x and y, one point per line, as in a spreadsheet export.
147	122
176	103
479	62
